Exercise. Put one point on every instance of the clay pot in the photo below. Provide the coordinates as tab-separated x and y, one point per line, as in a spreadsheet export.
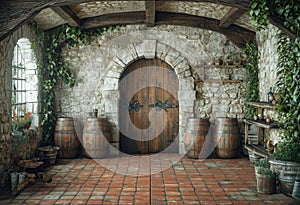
255	117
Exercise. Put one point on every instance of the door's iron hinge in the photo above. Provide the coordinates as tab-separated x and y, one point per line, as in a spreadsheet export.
135	106
158	105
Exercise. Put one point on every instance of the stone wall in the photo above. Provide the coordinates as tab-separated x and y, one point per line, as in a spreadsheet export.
190	51
10	151
266	41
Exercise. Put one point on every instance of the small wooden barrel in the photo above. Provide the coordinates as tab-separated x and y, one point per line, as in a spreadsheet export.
65	138
96	137
195	135
227	137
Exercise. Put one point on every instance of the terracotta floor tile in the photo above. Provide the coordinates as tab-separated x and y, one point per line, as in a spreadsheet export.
189	181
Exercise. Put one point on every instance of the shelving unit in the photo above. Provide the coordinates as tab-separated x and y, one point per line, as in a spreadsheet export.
259	149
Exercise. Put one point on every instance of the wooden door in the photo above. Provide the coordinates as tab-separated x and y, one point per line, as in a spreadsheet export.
148	107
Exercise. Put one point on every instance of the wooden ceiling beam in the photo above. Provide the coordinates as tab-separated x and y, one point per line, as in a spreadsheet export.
279	24
12	17
238	35
231	17
136	17
243	4
150	12
67	14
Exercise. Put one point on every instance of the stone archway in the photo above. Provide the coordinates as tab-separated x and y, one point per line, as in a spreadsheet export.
149	49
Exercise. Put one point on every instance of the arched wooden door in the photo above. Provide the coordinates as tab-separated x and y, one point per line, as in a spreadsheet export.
148	119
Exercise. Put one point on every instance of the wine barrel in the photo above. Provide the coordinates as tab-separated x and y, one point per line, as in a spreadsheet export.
195	135
227	137
96	137
66	139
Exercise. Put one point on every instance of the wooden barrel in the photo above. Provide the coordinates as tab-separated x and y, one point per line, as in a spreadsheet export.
96	137
65	138
227	137
195	134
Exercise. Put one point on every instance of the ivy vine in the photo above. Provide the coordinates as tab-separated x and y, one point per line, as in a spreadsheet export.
288	84
259	13
252	92
53	68
288	105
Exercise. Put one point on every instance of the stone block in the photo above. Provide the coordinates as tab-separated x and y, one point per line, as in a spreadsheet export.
113	74
110	84
119	62
182	67
146	49
186	102
187	95
162	51
172	56
185	108
113	66
186	84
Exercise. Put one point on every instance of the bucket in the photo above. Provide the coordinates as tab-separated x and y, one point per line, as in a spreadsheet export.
48	154
21	177
13	180
195	134
227	137
266	184
96	137
288	173
296	190
66	139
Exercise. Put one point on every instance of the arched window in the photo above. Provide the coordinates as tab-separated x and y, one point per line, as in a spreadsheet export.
24	100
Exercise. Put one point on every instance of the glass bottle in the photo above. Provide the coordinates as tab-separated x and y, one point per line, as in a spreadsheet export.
269	95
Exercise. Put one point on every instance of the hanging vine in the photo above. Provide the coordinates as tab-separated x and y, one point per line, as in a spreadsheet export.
252	92
53	68
288	84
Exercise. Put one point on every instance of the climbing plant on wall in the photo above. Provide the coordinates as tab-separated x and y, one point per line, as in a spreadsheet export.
288	84
252	92
53	68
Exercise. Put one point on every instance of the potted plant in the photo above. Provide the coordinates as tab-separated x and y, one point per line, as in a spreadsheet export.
266	181
21	121
286	164
261	164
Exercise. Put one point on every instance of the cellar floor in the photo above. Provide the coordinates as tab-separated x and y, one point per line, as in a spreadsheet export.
152	179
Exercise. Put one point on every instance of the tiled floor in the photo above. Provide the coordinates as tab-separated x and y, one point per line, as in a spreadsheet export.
86	181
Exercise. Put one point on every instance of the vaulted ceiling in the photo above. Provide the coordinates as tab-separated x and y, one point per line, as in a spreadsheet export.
229	17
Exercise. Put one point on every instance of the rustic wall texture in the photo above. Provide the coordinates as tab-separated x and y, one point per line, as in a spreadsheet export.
266	41
205	90
189	51
9	150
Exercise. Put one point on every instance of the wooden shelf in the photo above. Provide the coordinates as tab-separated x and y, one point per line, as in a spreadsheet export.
262	123
257	149
222	81
261	104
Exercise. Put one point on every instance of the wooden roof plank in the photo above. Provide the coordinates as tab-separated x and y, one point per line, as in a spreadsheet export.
243	4
237	34
150	12
279	23
136	17
67	14
231	17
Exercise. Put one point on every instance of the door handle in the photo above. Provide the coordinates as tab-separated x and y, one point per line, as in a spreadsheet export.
158	105
135	106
